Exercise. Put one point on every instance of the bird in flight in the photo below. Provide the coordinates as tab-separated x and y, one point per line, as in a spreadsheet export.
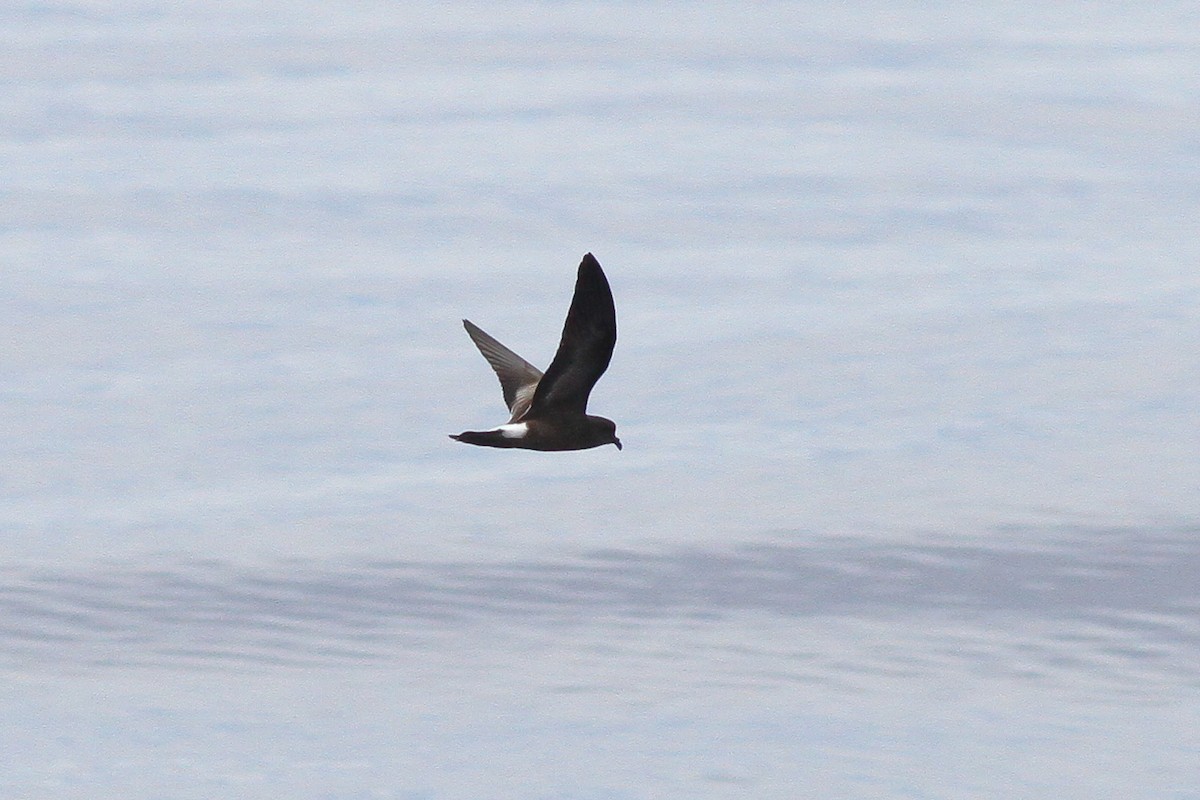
549	411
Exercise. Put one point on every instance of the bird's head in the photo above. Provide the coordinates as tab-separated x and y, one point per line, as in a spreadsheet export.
605	431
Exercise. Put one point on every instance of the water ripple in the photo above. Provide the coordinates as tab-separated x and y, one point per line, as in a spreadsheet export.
1123	602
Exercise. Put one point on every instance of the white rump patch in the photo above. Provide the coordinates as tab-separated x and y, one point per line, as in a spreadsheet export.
514	430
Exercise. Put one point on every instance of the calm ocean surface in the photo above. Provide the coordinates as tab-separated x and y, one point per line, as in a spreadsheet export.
907	376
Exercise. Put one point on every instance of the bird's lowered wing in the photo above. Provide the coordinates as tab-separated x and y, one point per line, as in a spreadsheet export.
518	378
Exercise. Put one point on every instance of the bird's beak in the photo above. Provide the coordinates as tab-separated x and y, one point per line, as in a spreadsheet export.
617	442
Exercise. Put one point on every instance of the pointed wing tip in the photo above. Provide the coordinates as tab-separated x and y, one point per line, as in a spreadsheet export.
589	270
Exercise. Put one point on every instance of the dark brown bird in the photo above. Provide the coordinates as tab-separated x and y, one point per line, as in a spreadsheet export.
549	412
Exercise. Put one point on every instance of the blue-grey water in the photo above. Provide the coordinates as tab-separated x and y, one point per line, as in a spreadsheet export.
908	377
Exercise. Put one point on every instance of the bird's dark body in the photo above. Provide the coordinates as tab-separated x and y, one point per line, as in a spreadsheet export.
572	433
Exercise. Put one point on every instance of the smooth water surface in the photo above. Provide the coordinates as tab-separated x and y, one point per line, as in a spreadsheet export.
907	379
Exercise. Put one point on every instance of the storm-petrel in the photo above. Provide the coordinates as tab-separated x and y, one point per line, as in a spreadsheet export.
549	412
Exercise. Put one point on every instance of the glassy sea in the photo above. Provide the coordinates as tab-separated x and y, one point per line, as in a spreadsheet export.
907	377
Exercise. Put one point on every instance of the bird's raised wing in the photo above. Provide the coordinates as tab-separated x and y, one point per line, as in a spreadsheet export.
518	378
585	349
